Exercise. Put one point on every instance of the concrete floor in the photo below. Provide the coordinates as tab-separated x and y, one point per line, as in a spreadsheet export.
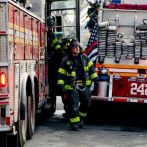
59	104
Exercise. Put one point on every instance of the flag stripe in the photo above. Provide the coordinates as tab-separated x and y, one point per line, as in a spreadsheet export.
89	49
93	52
92	46
93	59
94	55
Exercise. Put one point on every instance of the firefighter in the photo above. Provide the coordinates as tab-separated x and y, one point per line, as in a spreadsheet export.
74	79
67	42
55	55
67	47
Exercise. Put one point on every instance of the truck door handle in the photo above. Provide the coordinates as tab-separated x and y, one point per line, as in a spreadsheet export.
121	83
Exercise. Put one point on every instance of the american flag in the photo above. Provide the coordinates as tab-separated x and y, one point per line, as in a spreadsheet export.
92	49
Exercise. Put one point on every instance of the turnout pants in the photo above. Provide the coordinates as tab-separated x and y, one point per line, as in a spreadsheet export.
78	103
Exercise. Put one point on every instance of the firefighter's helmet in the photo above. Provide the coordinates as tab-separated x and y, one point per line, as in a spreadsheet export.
74	43
51	21
68	43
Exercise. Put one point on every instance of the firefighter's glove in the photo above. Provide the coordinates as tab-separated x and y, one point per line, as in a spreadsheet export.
65	96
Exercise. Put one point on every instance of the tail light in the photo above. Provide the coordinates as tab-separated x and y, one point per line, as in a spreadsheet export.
3	79
11	112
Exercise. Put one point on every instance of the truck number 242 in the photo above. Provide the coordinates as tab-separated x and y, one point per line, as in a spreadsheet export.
142	89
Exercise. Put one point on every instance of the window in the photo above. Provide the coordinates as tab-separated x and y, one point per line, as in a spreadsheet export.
63	4
65	18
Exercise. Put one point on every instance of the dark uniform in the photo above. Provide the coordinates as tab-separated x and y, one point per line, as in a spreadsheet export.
67	48
56	54
74	78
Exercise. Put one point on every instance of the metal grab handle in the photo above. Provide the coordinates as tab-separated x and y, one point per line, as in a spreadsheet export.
144	21
117	77
121	83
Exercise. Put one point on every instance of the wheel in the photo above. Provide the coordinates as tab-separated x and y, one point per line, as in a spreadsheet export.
52	100
23	125
47	112
31	117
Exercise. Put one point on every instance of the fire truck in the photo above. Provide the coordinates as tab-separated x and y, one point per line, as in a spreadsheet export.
23	72
122	52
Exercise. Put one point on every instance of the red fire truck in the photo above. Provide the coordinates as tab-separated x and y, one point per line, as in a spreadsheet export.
122	52
23	72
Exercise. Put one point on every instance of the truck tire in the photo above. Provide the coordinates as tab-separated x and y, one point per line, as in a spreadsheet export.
31	117
23	127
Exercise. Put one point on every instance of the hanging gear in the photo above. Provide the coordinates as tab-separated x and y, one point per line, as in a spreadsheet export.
92	13
93	2
55	54
51	21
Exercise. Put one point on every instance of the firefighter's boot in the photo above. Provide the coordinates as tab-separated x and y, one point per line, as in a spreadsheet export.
81	123
64	115
75	126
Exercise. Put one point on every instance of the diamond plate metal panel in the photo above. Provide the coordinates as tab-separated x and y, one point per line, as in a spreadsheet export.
33	66
125	62
4	89
2	16
3	48
23	67
41	73
17	90
41	83
3	121
3	114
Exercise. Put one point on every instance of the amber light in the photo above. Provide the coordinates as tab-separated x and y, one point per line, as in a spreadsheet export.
11	112
3	79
